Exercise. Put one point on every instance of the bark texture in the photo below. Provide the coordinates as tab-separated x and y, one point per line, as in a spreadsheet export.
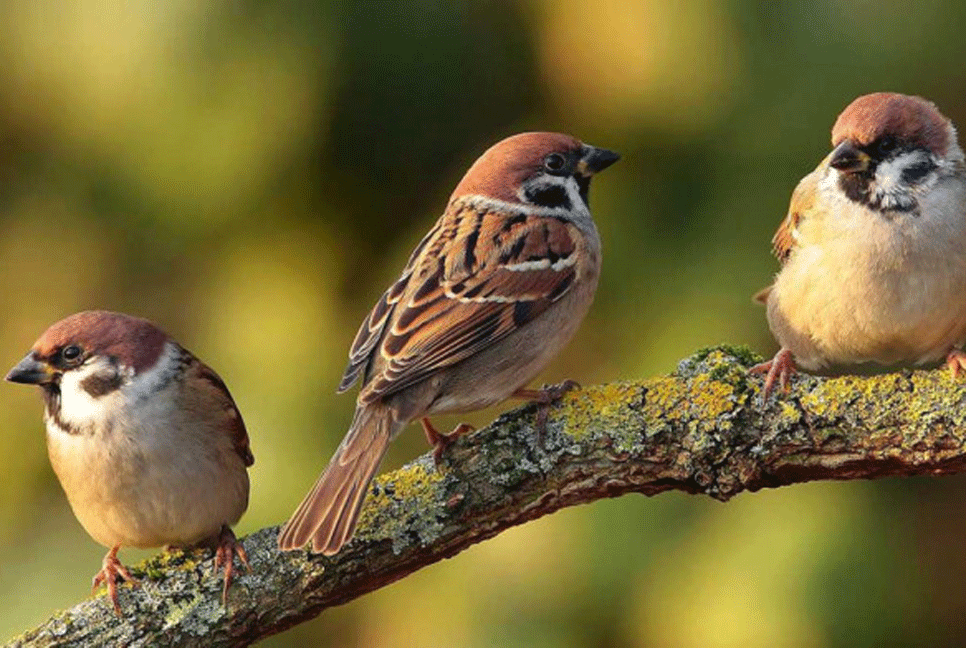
702	429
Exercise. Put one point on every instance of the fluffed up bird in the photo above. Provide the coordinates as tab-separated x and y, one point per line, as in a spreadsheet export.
498	286
145	439
873	248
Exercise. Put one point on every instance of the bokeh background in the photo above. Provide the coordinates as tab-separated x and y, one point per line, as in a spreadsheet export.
252	175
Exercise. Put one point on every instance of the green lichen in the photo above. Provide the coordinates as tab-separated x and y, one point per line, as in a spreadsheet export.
739	352
823	435
156	567
177	609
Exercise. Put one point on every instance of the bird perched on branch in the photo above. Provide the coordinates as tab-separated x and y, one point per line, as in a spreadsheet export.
873	248
496	288
144	438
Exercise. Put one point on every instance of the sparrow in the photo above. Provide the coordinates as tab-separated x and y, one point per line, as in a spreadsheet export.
495	289
873	249
145	439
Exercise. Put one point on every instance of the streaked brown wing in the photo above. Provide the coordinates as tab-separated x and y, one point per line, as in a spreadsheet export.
784	240
802	202
219	392
482	276
371	331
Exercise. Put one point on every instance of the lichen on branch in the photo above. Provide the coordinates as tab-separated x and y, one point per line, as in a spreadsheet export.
701	429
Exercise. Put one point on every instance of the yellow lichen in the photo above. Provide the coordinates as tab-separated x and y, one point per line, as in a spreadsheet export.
706	396
788	415
602	408
711	398
410	483
880	402
185	560
662	400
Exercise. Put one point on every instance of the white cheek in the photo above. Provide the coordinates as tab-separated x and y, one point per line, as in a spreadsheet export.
828	184
133	402
77	407
888	175
146	384
573	192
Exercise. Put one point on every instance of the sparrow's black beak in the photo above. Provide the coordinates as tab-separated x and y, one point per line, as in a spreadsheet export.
846	157
595	160
31	372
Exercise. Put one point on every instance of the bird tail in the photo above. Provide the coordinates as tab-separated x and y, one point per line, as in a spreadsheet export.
328	514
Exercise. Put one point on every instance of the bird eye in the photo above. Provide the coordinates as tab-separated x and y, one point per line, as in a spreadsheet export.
554	163
885	145
71	353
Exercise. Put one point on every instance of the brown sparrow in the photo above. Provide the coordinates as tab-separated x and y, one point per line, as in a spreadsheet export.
145	439
489	296
873	249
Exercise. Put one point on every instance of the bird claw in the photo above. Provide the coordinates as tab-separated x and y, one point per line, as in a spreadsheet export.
228	548
111	569
956	361
781	368
440	441
544	397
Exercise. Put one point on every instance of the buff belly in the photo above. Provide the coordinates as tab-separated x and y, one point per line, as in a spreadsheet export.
128	489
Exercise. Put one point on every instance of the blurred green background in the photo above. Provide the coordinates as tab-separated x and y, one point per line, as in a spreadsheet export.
252	177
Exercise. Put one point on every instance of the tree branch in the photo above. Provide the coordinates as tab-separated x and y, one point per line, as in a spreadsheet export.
702	429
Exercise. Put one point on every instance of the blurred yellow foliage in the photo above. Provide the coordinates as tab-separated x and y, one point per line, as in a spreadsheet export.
252	175
647	64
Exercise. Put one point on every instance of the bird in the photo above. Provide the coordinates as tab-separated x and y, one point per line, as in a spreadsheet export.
144	438
497	287
873	248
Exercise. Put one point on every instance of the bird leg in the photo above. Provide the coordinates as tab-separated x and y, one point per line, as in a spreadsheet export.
956	361
780	368
543	397
111	569
441	441
228	547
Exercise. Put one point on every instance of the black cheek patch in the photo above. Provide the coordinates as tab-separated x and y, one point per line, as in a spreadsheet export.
917	172
98	386
856	187
550	195
583	188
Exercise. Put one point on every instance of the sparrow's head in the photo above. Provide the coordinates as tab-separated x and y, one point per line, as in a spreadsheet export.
890	148
95	351
548	171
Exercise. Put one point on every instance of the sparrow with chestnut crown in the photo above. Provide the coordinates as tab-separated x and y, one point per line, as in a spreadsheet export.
145	439
873	248
495	289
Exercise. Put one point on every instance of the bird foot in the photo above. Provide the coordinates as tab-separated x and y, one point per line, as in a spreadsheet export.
441	441
225	552
543	398
956	361
111	569
781	368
